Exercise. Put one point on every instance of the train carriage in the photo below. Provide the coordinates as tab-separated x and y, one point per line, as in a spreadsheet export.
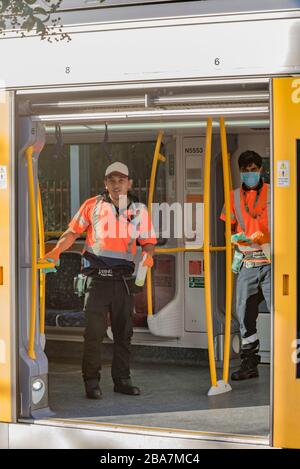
176	90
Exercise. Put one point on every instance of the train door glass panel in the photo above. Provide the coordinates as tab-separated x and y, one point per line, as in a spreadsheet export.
55	173
72	173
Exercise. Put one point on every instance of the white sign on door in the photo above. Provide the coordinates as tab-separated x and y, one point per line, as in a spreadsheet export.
283	173
3	177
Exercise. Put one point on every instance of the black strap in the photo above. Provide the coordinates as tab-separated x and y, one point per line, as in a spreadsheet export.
105	146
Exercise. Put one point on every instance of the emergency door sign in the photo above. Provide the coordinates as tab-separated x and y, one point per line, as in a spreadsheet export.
283	173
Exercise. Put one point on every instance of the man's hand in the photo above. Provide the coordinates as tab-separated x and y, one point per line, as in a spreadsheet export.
53	254
53	257
48	269
260	238
149	262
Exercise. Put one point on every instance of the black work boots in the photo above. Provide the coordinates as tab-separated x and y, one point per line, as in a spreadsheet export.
125	386
250	360
92	389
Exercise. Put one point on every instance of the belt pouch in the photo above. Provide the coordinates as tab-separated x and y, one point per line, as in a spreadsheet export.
80	285
131	287
237	262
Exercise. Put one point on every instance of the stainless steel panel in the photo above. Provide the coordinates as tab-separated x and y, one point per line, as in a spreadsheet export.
190	51
67	435
4	435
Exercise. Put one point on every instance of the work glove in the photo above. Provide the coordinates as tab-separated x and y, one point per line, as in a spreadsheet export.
53	257
241	239
148	262
49	270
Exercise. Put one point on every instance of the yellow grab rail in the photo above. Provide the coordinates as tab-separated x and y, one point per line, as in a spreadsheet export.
190	249
206	246
41	255
32	216
33	241
229	283
157	156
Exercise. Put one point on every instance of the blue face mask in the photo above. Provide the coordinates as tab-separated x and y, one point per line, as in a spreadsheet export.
250	179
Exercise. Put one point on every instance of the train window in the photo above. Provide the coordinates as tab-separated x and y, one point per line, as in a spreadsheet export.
62	193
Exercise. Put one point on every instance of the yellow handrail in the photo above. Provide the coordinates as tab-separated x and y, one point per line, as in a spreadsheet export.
206	246
35	265
157	156
228	300
42	255
33	233
58	234
190	249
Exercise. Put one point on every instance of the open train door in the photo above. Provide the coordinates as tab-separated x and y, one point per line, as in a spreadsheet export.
286	229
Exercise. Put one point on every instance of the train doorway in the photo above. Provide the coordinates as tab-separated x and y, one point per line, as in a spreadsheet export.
69	153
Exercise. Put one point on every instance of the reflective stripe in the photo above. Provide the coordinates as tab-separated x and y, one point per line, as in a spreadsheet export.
137	210
232	216
240	219
106	253
96	215
80	220
146	235
249	340
237	207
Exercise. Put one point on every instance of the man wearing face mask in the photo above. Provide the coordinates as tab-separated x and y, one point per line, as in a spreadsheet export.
250	218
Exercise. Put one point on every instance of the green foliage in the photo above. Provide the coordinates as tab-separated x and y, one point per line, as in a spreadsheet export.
24	16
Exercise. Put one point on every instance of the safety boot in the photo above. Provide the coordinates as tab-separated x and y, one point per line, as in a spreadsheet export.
125	386
250	360
92	389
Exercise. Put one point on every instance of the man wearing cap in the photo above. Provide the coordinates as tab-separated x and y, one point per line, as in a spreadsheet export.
113	222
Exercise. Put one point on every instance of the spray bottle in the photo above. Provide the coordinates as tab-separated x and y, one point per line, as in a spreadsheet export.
141	272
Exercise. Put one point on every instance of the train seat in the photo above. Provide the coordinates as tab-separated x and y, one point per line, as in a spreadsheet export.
63	307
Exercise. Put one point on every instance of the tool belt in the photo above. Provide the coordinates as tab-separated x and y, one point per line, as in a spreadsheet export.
255	259
107	274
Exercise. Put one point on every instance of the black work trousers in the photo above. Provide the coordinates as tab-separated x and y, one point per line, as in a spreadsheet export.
105	297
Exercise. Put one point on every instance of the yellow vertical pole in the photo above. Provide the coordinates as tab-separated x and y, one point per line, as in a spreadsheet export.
228	300
33	233
206	249
156	157
41	255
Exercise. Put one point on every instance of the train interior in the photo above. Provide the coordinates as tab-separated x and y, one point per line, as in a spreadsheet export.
84	132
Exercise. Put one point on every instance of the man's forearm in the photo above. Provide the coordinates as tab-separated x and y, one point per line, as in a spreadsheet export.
66	240
64	243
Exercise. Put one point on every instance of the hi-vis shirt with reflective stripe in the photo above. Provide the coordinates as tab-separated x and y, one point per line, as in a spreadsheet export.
111	234
245	221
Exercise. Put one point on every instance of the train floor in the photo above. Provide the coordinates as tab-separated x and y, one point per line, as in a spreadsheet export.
173	396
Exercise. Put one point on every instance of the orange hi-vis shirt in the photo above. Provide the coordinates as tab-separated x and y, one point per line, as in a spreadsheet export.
256	218
110	234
